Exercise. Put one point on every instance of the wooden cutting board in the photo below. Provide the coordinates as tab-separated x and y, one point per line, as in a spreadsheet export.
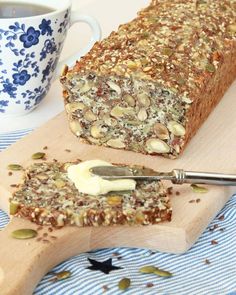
23	263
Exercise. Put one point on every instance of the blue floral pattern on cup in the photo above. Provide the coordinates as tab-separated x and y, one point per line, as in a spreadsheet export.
9	88
30	38
64	23
21	78
49	47
33	52
45	27
35	96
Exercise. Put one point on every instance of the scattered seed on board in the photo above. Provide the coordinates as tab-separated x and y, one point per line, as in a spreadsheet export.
22	234
14	167
124	284
199	189
45	148
10	173
192	201
38	156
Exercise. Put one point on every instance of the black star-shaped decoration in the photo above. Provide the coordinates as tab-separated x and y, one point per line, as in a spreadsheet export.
105	266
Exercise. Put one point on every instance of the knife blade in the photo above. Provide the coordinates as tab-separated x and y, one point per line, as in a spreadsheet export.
119	172
176	176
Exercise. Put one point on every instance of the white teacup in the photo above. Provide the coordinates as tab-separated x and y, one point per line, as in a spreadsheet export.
30	48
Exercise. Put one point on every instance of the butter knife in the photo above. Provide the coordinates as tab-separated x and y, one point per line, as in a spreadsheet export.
177	176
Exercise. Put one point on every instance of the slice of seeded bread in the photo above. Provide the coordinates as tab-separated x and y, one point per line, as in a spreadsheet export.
48	197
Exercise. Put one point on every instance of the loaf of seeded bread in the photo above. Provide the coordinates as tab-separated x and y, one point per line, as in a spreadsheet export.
48	197
149	86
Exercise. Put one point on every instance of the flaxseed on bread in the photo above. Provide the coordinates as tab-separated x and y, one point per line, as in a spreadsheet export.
48	197
149	86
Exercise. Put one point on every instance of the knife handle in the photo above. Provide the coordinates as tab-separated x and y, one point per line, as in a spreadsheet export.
181	176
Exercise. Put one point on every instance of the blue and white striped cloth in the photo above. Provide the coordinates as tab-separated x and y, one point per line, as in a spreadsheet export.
191	274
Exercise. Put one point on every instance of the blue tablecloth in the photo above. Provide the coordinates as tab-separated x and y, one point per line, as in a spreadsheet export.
206	269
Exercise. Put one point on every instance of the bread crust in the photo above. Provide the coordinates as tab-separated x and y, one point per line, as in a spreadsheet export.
212	93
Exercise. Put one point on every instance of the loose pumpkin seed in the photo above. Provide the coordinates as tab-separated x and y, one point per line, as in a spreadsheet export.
62	275
147	269
124	284
38	156
13	208
23	234
14	167
162	273
199	189
152	269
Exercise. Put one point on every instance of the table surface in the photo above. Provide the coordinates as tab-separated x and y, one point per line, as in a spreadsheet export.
119	12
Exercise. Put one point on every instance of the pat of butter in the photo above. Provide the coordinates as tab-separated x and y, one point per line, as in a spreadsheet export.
94	185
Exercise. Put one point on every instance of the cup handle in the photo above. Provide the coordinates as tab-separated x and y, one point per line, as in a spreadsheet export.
96	36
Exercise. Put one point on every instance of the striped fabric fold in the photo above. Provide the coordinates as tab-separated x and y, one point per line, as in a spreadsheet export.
7	139
206	269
